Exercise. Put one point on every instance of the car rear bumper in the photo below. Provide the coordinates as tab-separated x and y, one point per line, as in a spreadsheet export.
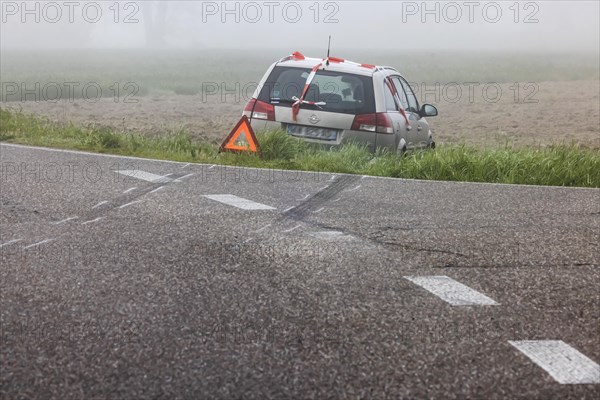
344	137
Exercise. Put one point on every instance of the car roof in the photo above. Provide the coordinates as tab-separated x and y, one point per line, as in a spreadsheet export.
298	60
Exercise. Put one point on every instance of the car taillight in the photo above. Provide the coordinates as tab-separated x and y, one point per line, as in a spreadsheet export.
380	122
384	123
249	107
365	122
259	110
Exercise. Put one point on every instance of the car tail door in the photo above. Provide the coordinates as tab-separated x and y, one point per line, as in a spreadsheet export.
331	103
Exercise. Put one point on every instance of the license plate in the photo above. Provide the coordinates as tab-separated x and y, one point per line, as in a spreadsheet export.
312	132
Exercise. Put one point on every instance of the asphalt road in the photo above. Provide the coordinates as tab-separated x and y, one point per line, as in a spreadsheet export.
125	278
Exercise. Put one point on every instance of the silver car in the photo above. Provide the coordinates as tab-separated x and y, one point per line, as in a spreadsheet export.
334	101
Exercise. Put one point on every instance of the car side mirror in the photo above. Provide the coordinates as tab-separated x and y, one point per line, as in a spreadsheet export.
428	111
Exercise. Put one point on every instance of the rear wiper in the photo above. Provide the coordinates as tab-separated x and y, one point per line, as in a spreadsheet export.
295	99
312	103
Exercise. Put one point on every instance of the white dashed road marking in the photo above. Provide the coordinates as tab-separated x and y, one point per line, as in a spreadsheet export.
130	190
353	189
304	198
146	176
564	363
100	204
10	242
183	177
262	229
319	210
38	244
238	202
451	291
292	229
92	221
156	190
64	220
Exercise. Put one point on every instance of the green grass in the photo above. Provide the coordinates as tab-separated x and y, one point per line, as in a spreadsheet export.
557	165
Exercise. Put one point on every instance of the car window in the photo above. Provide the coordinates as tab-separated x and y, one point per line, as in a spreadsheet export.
341	92
289	84
413	105
400	90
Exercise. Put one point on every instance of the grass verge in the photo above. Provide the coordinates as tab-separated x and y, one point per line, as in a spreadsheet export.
558	165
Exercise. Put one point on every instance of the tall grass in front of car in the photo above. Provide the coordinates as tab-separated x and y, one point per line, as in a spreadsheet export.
557	165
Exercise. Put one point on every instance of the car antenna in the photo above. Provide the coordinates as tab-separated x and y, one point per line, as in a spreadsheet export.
328	48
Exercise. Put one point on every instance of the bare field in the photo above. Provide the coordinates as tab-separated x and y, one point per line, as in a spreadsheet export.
558	112
556	99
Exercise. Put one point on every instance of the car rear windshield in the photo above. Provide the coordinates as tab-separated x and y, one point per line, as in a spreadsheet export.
341	92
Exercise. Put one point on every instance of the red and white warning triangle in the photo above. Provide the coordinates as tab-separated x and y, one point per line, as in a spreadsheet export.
241	138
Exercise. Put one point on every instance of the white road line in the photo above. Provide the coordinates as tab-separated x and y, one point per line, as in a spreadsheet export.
130	190
338	199
92	221
183	177
238	202
451	291
100	204
353	189
564	363
319	210
129	204
247	240
304	198
288	209
37	244
212	166
364	176
332	177
293	229
146	176
10	242
262	229
156	190
64	220
331	235
185	165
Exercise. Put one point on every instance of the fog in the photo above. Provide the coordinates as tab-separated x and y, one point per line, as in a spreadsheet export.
383	25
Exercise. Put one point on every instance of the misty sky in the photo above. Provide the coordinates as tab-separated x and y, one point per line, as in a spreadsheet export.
394	25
